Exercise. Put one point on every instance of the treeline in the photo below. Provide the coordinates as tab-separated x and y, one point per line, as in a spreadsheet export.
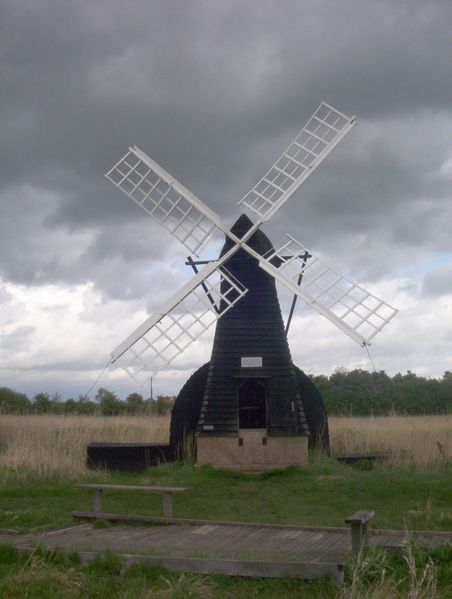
106	403
361	393
355	392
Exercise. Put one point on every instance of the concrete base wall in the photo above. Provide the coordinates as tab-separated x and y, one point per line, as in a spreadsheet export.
252	450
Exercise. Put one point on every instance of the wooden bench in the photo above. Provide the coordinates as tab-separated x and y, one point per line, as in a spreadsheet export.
166	491
360	528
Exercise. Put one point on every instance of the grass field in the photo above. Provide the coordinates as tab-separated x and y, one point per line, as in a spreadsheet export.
48	444
43	457
422	441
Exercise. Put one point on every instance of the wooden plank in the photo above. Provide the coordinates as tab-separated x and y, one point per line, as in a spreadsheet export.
307	542
203	530
289	534
274	543
68	529
130	533
233	544
244	543
338	545
309	545
228	544
165	538
249	541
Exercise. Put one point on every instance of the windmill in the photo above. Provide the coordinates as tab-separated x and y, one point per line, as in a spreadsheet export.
216	291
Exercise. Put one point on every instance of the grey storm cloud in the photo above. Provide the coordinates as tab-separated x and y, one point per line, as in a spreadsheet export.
214	91
186	77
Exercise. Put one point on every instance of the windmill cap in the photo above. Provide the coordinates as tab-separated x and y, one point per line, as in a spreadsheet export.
259	241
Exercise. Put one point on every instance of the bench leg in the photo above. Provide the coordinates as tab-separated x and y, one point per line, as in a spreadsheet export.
357	537
97	500
167	505
364	534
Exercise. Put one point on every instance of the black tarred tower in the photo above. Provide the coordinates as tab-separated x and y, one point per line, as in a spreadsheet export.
246	405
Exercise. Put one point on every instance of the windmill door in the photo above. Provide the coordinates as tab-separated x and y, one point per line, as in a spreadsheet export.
252	401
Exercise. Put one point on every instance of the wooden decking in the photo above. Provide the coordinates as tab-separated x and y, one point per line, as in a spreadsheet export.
230	548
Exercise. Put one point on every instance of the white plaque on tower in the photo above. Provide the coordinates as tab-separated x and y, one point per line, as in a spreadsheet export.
251	362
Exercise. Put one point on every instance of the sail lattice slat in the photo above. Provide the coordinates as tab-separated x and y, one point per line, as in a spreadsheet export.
164	198
319	136
166	334
352	308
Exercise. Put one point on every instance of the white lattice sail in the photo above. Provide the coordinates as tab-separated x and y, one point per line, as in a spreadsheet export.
356	311
166	334
164	198
319	136
213	291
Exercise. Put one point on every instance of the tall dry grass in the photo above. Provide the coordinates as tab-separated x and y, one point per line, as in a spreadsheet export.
47	445
422	441
50	445
373	577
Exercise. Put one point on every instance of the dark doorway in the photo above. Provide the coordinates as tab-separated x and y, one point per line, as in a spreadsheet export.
252	405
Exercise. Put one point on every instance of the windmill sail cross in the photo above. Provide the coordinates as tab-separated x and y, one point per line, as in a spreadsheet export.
201	302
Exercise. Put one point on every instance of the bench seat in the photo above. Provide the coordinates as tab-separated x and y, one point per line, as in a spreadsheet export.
166	491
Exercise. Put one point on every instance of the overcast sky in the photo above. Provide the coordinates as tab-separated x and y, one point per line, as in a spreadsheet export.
214	91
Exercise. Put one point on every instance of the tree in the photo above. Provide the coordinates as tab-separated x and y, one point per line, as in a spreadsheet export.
42	403
69	406
109	404
162	405
135	402
13	402
86	406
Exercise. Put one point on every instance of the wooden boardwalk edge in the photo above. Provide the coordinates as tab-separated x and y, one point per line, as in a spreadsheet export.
245	568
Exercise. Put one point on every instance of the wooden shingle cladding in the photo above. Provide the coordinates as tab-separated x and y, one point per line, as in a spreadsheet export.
252	328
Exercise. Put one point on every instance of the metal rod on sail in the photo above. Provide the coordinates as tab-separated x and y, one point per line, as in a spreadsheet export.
192	263
305	258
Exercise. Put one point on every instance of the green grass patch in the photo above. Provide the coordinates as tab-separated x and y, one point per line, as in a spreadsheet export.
322	494
416	572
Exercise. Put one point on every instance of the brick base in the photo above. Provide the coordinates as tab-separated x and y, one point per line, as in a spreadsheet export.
252	450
